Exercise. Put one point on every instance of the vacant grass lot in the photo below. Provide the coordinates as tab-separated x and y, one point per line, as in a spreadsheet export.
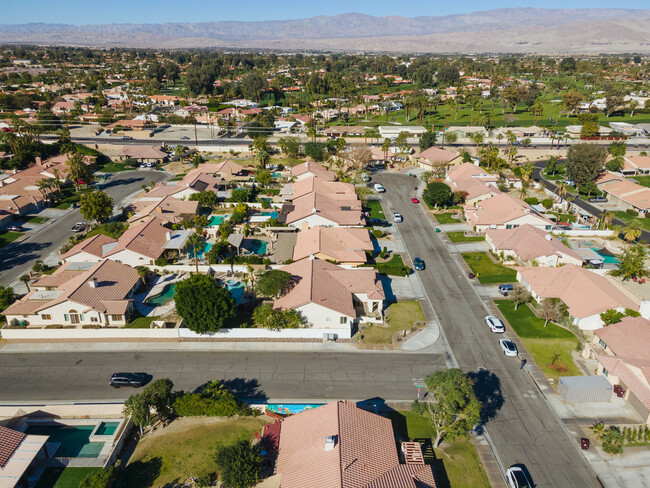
186	448
8	237
374	207
543	343
460	237
446	218
401	316
63	478
489	272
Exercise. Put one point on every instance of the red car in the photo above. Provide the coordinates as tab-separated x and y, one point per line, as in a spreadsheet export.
415	200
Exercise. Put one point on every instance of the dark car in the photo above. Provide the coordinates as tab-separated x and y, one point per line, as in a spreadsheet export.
133	380
16	228
378	222
418	264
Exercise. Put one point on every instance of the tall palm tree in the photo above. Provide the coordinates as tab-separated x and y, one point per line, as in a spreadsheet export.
632	232
25	280
606	219
561	190
477	137
499	139
195	241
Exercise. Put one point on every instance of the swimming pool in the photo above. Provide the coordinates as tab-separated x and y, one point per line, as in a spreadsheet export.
107	428
165	296
255	246
74	440
237	289
605	257
218	219
201	253
276	175
292	408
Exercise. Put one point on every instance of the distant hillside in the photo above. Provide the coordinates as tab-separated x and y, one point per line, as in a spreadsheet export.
500	30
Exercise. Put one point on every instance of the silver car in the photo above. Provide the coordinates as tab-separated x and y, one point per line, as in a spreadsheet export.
509	348
495	324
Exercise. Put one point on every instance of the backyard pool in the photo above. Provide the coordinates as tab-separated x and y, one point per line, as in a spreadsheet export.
255	246
217	219
165	296
107	428
606	258
74	440
237	289
201	253
276	175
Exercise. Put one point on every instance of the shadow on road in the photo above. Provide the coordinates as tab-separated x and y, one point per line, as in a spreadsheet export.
487	387
18	255
122	181
244	388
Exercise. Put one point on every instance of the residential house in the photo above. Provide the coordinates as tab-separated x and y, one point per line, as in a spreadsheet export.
473	182
18	451
344	130
309	169
195	181
316	184
79	294
143	153
133	124
332	297
636	165
392	131
434	156
530	245
326	209
585	293
340	445
623	358
503	212
62	108
165	100
466	130
381	156
168	209
625	192
344	245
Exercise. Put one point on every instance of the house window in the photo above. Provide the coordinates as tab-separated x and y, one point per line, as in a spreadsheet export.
117	318
605	372
94	319
74	317
328	319
515	226
548	227
344	320
602	344
508	226
46	316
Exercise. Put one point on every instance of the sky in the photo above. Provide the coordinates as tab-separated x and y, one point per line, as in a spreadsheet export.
80	12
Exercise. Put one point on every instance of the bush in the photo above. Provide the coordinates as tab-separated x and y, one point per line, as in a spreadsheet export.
632	212
547	203
102	478
532	200
376	233
265	203
161	261
240	464
213	400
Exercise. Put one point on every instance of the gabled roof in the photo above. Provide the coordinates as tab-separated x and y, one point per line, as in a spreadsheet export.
338	243
435	153
501	209
9	441
143	152
317	184
529	242
93	246
311	167
628	338
169	209
340	209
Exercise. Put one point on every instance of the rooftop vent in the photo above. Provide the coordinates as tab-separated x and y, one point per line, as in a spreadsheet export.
93	283
330	442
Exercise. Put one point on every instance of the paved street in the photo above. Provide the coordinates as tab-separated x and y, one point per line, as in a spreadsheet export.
277	376
18	257
520	424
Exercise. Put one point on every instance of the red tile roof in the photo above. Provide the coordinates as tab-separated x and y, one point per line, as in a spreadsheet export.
9	442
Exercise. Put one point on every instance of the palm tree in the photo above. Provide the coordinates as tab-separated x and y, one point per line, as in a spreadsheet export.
195	241
477	137
633	104
499	138
606	219
25	280
44	185
632	232
561	190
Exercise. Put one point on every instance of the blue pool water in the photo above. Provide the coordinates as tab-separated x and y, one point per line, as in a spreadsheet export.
217	219
107	428
291	408
255	246
74	440
276	175
165	296
201	253
237	289
606	259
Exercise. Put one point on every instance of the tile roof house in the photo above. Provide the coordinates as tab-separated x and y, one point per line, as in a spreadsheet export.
168	209
101	294
143	153
316	184
17	453
636	165
195	181
625	192
429	157
472	180
311	168
345	245
585	293
623	357
332	297
503	212
328	209
339	445
527	244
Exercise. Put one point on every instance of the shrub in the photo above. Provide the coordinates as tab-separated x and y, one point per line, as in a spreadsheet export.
240	464
632	212
532	200
376	233
213	400
265	203
547	203
161	261
102	478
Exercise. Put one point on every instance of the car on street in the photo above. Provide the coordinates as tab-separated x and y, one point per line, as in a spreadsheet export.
16	228
598	200
418	264
78	227
398	217
185	138
518	477
509	348
495	324
133	380
378	188
127	138
415	200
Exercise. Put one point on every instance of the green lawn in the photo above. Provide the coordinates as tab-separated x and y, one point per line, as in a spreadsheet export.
543	343
63	478
460	237
114	167
33	219
286	161
645	222
642	180
374	207
488	272
8	237
564	217
446	218
394	267
400	316
179	177
141	322
186	452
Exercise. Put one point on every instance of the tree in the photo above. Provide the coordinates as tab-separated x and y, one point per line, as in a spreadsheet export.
551	165
316	150
154	403
571	100
25	280
204	305
7	297
590	127
437	193
273	283
632	263
289	146
611	316
208	199
79	171
452	407
427	140
448	75
267	317
551	310
263	177
632	231
359	156
195	242
100	478
240	464
584	162
617	149
96	206
616	164
519	295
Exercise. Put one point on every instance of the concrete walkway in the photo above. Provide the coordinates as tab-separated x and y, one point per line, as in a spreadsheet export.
473	246
455	227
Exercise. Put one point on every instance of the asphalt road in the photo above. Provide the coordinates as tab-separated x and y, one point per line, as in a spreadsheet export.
519	422
17	257
277	377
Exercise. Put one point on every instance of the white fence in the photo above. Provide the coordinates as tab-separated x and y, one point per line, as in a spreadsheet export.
583	233
267	334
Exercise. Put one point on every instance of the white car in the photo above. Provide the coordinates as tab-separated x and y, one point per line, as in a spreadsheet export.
378	188
398	217
509	347
518	478
495	324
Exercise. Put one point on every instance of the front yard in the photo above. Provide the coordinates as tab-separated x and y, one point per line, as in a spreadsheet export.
550	346
644	222
487	271
446	218
374	207
8	237
400	316
460	237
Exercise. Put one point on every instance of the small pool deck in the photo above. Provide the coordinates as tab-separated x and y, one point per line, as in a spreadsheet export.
157	287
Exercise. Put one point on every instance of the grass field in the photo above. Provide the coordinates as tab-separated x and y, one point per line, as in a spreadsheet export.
642	180
114	167
460	237
400	316
186	451
394	267
33	219
543	343
141	322
63	478
445	218
487	271
8	237
374	207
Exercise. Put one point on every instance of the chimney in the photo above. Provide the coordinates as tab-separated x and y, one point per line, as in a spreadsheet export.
93	283
159	209
330	442
168	236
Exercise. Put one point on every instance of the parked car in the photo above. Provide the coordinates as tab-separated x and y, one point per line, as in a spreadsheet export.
127	138
415	200
598	200
495	324
133	380
418	264
509	348
378	222
518	477
398	217
16	228
185	138
378	188
506	289
78	227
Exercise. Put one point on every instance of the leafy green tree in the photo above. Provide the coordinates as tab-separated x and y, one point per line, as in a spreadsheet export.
551	165
7	297
616	164
204	304
584	162
240	464
101	478
290	146
617	149
153	403
632	263
273	283
267	317
437	193
452	409
96	206
78	170
218	251
263	177
427	140
611	316
208	199
316	150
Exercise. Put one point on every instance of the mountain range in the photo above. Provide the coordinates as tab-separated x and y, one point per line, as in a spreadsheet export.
515	30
